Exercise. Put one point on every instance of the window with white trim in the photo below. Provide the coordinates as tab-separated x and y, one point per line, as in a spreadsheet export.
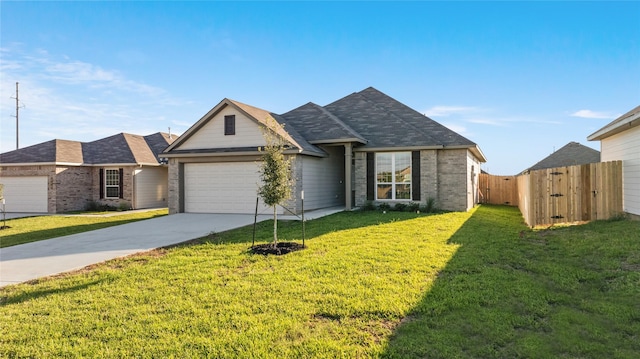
393	175
112	183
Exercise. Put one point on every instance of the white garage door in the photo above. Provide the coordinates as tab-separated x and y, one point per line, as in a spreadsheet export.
25	194
227	187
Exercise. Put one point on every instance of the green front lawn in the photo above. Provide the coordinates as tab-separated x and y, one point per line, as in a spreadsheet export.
31	229
396	285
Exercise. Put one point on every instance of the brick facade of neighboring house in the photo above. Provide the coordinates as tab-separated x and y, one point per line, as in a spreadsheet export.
71	172
339	155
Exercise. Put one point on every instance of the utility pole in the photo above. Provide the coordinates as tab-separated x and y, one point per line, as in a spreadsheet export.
17	121
17	118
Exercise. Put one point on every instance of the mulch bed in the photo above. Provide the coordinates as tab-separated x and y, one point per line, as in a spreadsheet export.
280	249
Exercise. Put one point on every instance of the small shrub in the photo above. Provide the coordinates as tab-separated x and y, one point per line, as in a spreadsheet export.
124	206
92	206
430	206
400	207
106	207
413	207
384	207
618	217
369	206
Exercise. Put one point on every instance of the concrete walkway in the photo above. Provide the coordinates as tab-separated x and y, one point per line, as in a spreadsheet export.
34	260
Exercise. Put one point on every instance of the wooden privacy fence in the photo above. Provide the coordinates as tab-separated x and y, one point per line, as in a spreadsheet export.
560	195
498	189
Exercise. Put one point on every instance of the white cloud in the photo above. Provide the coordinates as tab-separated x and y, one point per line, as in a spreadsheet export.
75	100
593	114
457	128
444	111
484	121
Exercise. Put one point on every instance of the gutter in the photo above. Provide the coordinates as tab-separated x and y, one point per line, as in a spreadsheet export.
610	130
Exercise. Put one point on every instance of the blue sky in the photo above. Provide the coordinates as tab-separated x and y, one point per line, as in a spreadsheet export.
517	78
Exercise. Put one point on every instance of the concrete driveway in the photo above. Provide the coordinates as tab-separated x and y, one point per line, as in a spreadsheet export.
44	258
34	260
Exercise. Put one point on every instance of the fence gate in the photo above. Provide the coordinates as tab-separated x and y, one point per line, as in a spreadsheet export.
571	194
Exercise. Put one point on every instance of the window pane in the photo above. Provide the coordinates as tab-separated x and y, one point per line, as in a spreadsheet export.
403	167
403	191
113	192
230	125
112	178
383	167
384	191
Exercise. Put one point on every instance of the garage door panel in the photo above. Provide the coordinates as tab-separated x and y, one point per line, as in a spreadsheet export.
26	194
227	187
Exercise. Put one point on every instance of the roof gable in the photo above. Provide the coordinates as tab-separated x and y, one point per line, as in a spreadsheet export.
260	117
570	154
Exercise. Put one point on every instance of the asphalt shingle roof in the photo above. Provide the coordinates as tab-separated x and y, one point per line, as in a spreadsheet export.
386	122
368	119
570	154
317	124
120	148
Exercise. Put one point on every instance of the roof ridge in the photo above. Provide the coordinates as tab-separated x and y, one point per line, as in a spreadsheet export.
339	121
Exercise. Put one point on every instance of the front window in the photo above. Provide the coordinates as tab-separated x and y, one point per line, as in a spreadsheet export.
112	183
393	175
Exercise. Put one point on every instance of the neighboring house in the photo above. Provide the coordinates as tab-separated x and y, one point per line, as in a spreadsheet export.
60	176
364	147
571	154
620	140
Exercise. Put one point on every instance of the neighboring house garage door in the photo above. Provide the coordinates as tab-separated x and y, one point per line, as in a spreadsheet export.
226	187
25	194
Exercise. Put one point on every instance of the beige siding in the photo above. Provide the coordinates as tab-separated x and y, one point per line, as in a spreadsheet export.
323	179
625	146
473	174
211	135
150	187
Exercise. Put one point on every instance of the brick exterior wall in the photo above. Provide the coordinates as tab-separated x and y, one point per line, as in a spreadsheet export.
174	186
360	175
429	177
127	183
444	178
452	180
73	188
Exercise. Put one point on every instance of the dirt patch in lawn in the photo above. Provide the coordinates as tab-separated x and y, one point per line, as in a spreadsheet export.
280	249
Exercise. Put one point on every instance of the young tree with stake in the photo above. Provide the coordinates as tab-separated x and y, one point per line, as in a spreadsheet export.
275	175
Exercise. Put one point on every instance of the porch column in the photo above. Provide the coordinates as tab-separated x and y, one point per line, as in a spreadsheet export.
347	175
